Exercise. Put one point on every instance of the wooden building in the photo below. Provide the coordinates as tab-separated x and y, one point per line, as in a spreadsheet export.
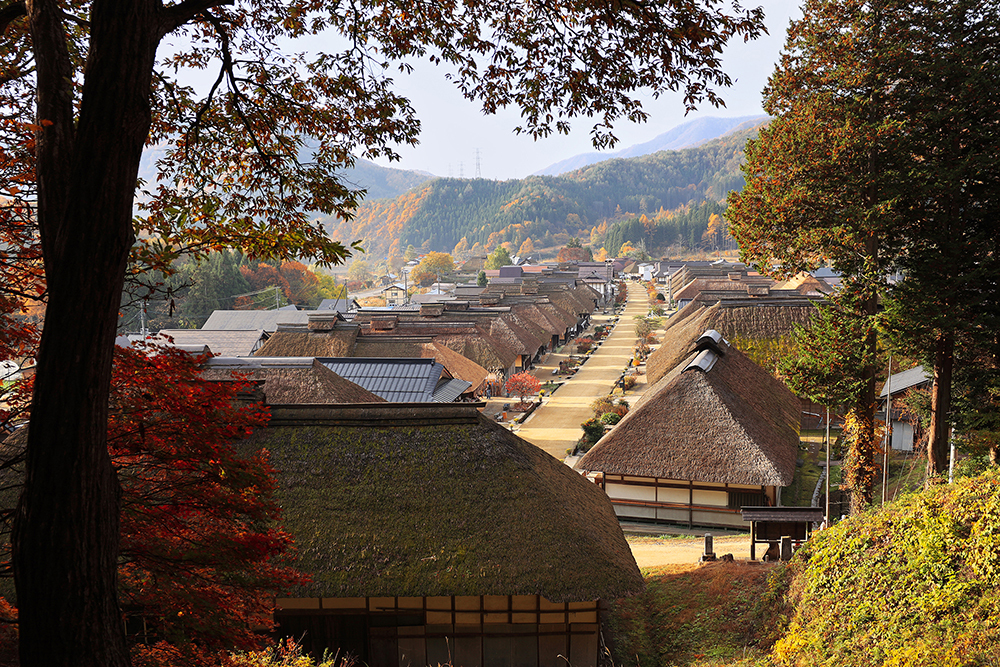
434	536
714	434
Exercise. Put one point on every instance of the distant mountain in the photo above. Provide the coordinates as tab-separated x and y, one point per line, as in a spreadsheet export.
448	212
380	182
687	135
384	182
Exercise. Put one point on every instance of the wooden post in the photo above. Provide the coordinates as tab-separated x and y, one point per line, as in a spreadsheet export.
753	540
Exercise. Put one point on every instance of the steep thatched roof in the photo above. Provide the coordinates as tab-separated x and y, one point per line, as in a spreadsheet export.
482	348
721	284
457	365
731	423
300	381
679	335
436	500
760	320
288	343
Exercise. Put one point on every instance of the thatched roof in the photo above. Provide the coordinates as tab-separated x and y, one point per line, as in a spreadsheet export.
288	343
436	500
679	335
721	284
807	284
724	420
298	381
482	348
766	320
456	364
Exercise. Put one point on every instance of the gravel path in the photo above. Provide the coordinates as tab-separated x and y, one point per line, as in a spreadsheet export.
650	551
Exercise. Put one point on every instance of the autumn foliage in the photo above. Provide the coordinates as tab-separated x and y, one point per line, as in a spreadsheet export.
522	384
21	280
201	558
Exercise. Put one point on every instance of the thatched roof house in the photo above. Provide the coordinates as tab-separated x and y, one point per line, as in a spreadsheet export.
766	319
306	342
291	381
428	528
715	433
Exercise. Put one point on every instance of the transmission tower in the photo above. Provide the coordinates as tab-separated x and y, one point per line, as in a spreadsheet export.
461	170
479	173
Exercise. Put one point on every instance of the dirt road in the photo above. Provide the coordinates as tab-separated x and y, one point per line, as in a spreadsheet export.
651	551
555	426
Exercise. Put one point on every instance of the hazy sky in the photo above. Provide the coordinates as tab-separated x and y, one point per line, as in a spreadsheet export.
453	128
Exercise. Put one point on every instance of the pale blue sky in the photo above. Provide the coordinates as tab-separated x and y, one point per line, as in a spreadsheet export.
453	128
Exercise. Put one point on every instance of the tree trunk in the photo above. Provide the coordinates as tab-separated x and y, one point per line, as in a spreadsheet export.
938	440
863	472
66	530
863	467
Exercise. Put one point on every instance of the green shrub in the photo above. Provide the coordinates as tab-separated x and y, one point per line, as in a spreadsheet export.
611	418
916	582
593	429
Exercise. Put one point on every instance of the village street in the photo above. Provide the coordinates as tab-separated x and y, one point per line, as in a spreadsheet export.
555	425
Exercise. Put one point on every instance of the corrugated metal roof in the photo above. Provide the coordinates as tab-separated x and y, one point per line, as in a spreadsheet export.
902	381
395	380
449	390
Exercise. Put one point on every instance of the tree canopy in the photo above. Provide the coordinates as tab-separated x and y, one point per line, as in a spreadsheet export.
499	257
882	156
245	159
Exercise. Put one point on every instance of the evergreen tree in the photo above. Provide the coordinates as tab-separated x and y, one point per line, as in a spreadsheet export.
820	180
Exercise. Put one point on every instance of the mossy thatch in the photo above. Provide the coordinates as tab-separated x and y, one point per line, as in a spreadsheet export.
336	343
733	423
437	500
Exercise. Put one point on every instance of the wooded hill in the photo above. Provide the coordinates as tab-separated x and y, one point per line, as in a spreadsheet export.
439	214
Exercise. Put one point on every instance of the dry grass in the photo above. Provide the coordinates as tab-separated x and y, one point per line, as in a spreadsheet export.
709	615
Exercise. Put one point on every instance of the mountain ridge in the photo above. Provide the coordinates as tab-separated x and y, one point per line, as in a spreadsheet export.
686	135
450	214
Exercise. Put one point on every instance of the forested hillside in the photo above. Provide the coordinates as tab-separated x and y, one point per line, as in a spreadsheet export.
585	203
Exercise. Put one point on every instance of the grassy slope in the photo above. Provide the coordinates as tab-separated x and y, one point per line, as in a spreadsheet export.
711	615
915	583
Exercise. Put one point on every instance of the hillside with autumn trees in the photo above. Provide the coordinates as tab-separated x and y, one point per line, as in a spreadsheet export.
671	194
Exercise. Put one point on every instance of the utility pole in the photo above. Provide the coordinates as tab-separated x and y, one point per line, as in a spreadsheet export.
828	521
888	433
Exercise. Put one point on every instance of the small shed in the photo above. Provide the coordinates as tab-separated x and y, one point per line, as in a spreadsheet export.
769	524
